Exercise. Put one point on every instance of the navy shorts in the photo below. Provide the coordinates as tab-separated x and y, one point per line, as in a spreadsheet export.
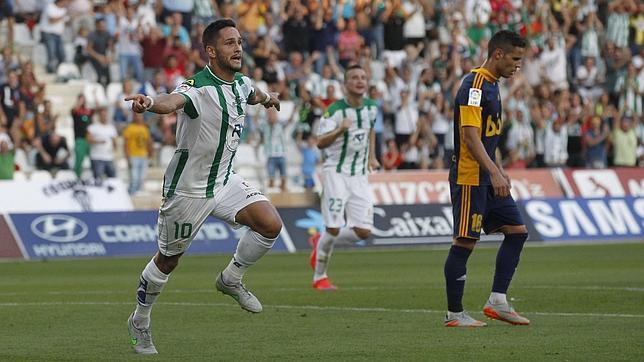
476	208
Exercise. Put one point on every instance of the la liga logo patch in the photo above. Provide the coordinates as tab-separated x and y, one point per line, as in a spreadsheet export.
475	97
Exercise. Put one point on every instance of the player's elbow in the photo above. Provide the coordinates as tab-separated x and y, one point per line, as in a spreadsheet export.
470	141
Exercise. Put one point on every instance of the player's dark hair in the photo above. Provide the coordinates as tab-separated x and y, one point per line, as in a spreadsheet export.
211	33
350	68
505	40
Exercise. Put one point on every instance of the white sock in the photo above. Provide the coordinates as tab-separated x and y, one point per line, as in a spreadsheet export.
498	298
151	284
323	255
347	234
251	247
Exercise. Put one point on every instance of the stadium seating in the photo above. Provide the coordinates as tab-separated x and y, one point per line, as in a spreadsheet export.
41	175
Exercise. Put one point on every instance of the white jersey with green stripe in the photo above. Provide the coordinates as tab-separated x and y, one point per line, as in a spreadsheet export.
209	128
349	153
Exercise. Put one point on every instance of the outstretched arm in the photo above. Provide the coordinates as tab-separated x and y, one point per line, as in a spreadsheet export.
163	104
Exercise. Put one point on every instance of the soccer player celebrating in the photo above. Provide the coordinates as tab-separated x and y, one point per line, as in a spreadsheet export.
480	188
347	139
199	180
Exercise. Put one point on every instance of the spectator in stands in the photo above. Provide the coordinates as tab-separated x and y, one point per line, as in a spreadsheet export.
173	28
406	119
630	88
331	96
520	140
13	105
617	29
596	140
129	36
122	108
198	54
588	80
324	34
152	45
183	7
6	12
7	64
392	157
250	14
294	26
556	143
273	138
82	116
80	13
349	44
379	126
146	14
53	152
99	48
394	18
80	48
553	62
138	150
7	154
102	139
156	85
173	72
310	159
624	141
52	27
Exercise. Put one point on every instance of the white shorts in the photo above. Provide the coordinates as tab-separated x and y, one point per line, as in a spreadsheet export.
181	217
350	195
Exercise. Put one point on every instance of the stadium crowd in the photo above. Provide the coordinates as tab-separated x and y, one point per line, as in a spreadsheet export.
576	102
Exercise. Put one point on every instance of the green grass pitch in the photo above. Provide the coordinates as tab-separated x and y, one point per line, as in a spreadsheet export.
585	303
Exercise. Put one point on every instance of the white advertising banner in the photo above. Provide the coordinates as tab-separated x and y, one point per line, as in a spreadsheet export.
64	195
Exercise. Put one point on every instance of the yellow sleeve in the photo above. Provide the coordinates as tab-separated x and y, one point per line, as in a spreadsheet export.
471	116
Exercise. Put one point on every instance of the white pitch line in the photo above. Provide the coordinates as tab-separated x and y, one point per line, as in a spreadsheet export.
316	307
306	289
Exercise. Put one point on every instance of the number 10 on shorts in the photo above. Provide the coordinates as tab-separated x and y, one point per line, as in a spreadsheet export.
182	231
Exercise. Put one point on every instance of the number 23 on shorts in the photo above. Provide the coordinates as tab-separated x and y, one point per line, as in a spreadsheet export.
335	205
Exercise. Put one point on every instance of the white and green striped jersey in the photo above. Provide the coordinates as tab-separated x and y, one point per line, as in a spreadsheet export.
208	132
349	153
274	139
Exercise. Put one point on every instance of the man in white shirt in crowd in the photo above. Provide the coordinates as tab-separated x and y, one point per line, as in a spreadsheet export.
52	26
102	139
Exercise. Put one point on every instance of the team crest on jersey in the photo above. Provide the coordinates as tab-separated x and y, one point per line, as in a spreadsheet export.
359	139
183	87
475	97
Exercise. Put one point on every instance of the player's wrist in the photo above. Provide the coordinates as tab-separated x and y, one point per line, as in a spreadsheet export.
267	98
149	106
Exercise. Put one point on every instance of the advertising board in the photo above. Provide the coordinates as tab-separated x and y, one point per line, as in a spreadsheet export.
113	234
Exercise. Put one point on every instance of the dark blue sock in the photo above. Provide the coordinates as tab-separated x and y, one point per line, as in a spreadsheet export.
455	270
507	260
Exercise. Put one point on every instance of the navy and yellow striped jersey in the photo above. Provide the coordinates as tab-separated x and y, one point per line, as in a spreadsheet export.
477	104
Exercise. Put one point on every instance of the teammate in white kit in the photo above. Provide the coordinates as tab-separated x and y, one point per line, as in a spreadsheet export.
199	180
347	139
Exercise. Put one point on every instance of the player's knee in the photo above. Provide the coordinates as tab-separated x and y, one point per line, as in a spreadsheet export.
362	233
333	231
515	229
465	243
167	264
271	227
